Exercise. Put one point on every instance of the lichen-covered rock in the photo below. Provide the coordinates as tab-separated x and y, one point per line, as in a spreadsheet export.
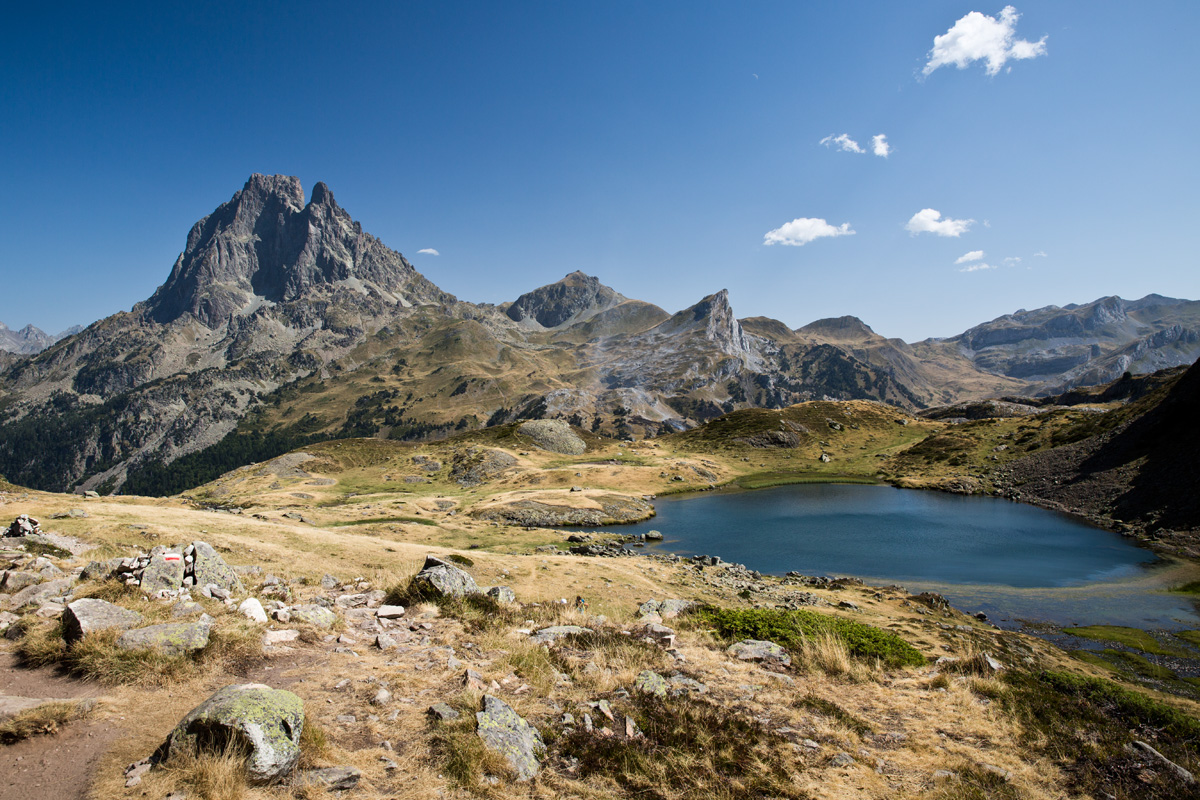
95	571
667	609
650	682
760	650
504	731
554	435
266	722
502	594
439	578
208	567
165	571
39	593
317	616
332	779
170	638
554	632
89	614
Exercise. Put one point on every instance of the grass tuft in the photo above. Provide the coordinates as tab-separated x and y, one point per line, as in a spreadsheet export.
828	708
43	720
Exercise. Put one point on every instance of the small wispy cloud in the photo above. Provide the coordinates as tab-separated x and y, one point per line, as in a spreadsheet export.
977	267
974	255
429	251
842	142
978	37
880	146
929	220
1040	254
803	230
1012	260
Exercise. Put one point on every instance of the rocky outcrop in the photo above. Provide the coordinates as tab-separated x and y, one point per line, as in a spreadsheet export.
170	638
575	298
439	578
553	435
478	465
614	510
505	732
89	615
266	722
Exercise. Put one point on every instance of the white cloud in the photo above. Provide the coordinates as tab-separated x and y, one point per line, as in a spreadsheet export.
429	251
1012	260
880	146
977	267
803	230
974	255
928	220
1040	254
843	142
978	37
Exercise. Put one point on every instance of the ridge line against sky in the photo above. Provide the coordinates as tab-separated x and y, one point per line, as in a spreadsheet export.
815	161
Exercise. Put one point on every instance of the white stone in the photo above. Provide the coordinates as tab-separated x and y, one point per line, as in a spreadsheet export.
251	608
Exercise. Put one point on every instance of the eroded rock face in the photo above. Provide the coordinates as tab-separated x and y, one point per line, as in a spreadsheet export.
267	722
89	615
505	732
575	298
439	578
554	435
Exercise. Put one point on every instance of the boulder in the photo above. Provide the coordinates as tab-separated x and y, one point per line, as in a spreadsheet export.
554	632
39	593
502	594
170	638
439	578
333	779
209	568
89	614
266	722
650	682
95	571
252	609
554	435
759	650
389	612
15	581
505	732
317	616
165	571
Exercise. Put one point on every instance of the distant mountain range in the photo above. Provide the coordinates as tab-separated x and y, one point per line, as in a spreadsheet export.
283	322
30	340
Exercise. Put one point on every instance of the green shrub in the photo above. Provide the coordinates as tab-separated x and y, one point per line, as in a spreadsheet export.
789	629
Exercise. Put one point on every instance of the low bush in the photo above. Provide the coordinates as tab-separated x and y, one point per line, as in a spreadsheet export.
790	629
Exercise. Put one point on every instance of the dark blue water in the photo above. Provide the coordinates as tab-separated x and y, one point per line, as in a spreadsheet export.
1013	561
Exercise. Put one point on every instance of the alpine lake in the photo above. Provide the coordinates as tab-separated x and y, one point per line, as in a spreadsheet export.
1026	568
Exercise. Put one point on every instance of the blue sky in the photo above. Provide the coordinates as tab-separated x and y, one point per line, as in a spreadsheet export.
655	145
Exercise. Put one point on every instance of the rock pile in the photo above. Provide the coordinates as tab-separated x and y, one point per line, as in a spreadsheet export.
24	525
164	571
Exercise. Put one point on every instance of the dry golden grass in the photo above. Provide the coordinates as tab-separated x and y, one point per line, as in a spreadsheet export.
43	720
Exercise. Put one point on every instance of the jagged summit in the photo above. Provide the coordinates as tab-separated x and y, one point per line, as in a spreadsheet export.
27	340
715	317
575	298
265	244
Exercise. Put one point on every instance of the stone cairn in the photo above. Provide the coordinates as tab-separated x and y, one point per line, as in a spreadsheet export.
24	525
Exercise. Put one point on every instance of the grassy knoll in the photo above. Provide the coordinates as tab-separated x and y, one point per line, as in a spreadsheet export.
1130	637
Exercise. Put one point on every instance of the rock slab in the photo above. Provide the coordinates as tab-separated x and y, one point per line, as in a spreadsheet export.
89	615
504	731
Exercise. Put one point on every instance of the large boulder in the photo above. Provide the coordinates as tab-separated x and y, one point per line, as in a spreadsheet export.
39	593
170	638
553	435
315	615
760	650
439	578
89	614
165	571
208	567
504	731
266	722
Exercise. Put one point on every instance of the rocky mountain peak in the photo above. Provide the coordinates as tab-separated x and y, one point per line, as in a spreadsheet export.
715	317
575	298
266	244
847	328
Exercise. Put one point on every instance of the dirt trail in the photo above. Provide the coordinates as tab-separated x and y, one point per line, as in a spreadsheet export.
56	767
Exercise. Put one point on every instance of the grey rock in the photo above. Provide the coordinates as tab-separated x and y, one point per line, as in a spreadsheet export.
15	581
328	581
505	732
389	612
23	525
442	712
170	638
162	573
502	594
439	578
267	722
554	632
39	593
315	615
1179	771
209	568
841	760
759	650
252	609
89	615
334	779
554	435
186	608
95	571
650	682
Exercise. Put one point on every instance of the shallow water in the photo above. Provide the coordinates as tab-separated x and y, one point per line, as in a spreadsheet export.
1014	562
